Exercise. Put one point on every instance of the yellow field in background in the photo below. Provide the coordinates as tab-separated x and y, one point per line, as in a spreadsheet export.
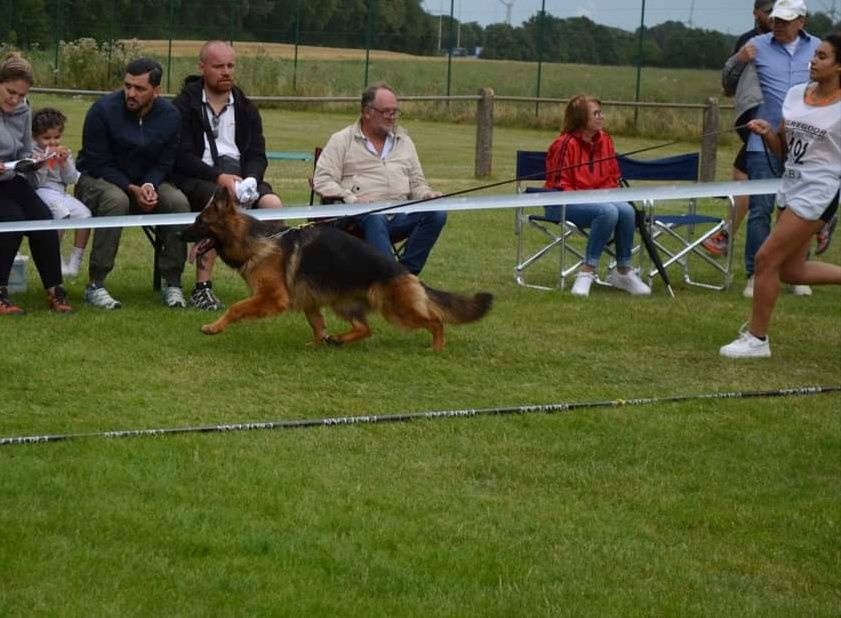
276	50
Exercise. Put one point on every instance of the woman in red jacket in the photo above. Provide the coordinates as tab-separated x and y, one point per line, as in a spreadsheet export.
581	158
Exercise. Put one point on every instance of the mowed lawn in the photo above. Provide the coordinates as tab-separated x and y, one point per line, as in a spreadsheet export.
703	508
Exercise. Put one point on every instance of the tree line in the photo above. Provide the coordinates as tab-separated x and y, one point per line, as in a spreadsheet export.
397	25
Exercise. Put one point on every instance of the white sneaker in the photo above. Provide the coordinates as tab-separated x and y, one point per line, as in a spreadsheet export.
748	291
629	281
98	296
747	346
582	284
173	297
801	290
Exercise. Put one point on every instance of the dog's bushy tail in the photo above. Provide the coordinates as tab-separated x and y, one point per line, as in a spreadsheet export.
458	309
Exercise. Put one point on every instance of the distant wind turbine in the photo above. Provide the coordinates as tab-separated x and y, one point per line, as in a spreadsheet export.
508	6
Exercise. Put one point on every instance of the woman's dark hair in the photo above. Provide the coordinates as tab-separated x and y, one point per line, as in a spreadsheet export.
141	66
834	39
577	112
47	118
14	67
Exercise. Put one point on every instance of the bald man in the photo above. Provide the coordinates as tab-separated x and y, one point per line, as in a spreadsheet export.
222	145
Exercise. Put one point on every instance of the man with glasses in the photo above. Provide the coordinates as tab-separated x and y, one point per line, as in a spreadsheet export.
222	145
129	142
374	160
763	71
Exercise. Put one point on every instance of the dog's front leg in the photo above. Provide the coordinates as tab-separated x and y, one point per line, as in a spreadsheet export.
257	306
319	329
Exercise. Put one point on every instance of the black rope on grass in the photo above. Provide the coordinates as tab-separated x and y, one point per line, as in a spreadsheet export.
549	408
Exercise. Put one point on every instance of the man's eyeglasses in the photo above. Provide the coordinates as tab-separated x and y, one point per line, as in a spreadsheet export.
387	113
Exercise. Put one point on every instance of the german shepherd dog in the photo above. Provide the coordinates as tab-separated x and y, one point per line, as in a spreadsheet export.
308	268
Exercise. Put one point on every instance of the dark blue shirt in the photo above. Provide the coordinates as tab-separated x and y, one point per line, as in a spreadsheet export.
123	148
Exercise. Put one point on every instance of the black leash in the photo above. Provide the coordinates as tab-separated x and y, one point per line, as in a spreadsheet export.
332	220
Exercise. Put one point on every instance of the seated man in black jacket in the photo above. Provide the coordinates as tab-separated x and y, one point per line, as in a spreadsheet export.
129	143
222	145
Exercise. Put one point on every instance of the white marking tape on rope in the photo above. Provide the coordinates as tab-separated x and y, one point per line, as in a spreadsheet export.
522	200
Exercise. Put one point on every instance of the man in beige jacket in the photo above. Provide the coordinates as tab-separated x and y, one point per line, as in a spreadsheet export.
373	160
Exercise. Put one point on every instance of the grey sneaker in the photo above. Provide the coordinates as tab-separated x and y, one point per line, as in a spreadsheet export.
204	298
98	296
173	297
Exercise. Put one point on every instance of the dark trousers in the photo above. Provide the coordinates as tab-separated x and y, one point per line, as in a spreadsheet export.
19	202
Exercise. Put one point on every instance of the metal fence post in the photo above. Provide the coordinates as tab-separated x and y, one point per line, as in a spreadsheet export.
169	45
709	142
297	43
369	36
484	133
57	39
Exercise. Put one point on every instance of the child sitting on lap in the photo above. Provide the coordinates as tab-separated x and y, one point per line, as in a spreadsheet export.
51	181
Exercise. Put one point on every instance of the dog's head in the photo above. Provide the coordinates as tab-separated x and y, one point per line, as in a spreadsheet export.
209	229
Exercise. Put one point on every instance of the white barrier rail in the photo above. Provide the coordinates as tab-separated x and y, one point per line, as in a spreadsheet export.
522	200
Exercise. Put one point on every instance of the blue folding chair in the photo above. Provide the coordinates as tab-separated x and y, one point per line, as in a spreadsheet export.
553	230
679	236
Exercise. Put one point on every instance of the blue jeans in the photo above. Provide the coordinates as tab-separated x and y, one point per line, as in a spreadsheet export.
760	206
422	229
604	220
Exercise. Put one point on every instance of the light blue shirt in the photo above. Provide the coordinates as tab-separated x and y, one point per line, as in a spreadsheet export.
778	71
387	146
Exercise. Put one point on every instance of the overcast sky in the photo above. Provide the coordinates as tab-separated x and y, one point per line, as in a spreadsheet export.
733	17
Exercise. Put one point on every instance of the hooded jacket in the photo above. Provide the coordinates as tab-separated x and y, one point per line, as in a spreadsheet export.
15	136
573	164
248	134
123	148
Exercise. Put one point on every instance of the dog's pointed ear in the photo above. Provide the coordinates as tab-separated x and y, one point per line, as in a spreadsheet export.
221	199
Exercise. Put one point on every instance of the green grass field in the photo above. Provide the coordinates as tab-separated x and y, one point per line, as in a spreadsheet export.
703	508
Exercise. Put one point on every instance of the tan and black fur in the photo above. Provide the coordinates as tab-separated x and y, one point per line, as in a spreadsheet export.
320	266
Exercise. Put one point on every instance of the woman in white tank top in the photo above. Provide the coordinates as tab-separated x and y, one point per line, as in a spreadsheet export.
810	136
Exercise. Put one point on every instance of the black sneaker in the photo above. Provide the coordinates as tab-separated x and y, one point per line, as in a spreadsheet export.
204	298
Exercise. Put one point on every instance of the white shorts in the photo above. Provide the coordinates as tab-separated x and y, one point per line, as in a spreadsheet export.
63	205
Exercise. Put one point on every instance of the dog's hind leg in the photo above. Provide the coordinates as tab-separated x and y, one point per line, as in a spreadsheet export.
354	313
359	330
436	327
258	306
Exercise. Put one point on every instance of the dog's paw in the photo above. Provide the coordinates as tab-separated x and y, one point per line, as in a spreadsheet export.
210	329
332	341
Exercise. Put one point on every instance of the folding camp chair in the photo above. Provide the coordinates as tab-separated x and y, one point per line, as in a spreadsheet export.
552	229
678	237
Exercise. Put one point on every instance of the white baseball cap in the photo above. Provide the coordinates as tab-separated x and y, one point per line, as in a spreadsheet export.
789	10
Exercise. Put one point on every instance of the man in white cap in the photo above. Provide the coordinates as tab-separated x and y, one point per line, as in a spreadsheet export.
768	65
